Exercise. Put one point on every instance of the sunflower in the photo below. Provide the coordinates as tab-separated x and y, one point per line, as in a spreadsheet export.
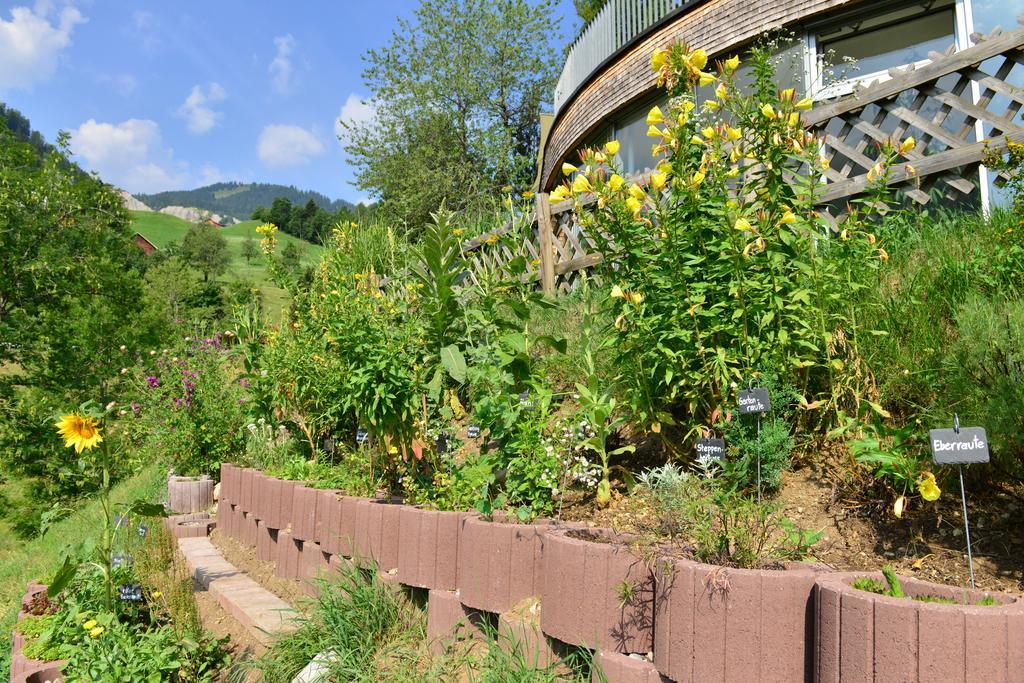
79	431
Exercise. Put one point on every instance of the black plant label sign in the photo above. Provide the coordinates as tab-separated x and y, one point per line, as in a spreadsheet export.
714	448
362	436
473	431
968	446
754	401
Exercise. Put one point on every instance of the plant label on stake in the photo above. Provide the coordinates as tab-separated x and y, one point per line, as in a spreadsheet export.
960	447
473	431
711	448
362	436
755	401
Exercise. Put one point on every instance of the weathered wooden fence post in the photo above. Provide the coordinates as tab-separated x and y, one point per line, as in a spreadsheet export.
547	244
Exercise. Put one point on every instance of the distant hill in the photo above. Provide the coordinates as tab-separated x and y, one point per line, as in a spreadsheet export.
238	199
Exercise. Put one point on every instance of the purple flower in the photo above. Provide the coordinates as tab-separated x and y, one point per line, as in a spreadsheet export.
153	382
136	408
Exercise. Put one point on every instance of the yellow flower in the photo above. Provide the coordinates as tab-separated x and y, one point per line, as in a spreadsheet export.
636	192
733	172
653	132
699	58
698	178
96	632
883	255
658	59
559	193
581	184
658	181
615	182
697	140
733	133
788	218
655	116
79	431
742	224
617	292
768	111
794	119
636	298
156	595
89	625
787	95
732	63
599	157
804	104
528	195
612	147
393	450
634	205
709	133
908	145
457	232
710	105
706	79
722	92
910	170
568	169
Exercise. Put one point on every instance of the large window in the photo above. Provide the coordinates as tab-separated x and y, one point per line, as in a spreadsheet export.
865	46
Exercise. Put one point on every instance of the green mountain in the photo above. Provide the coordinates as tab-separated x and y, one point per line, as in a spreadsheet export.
238	199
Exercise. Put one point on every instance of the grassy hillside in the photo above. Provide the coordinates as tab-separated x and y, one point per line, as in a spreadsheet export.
164	230
239	199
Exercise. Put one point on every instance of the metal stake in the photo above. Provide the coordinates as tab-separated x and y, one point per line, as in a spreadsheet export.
963	502
759	458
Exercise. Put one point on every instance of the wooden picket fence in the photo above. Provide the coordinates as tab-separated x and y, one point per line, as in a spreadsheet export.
940	104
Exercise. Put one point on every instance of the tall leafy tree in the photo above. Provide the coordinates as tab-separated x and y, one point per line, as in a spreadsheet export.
457	91
206	250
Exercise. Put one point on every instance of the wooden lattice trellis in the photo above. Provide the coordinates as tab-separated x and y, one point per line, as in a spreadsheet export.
939	104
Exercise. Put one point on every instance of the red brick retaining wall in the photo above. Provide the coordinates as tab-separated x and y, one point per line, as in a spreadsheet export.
696	622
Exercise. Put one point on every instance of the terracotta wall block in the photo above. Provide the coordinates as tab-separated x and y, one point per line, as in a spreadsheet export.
428	548
613	667
861	636
304	513
448	619
719	624
500	564
596	592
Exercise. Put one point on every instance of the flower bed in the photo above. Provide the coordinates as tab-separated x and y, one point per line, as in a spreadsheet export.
861	635
23	669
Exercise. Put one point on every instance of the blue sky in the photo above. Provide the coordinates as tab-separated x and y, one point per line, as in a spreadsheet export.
161	96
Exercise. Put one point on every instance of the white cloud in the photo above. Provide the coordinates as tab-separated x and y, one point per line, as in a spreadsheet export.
355	110
283	145
30	45
129	154
200	117
281	69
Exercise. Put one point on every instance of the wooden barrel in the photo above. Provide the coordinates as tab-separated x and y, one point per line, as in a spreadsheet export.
189	494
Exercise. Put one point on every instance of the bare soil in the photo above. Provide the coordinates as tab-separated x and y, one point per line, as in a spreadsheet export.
861	533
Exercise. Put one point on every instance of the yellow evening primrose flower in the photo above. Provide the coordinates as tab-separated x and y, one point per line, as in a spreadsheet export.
733	133
615	182
655	116
636	192
600	158
706	79
581	184
80	432
794	119
711	105
697	140
788	218
742	224
568	169
393	450
927	487
722	92
658	59
612	147
617	292
654	132
559	193
732	63
698	178
89	625
804	104
636	298
733	172
658	180
96	632
768	111
634	205
709	133
908	145
699	58
156	595
787	95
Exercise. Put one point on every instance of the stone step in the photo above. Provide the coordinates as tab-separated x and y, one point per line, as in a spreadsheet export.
261	612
